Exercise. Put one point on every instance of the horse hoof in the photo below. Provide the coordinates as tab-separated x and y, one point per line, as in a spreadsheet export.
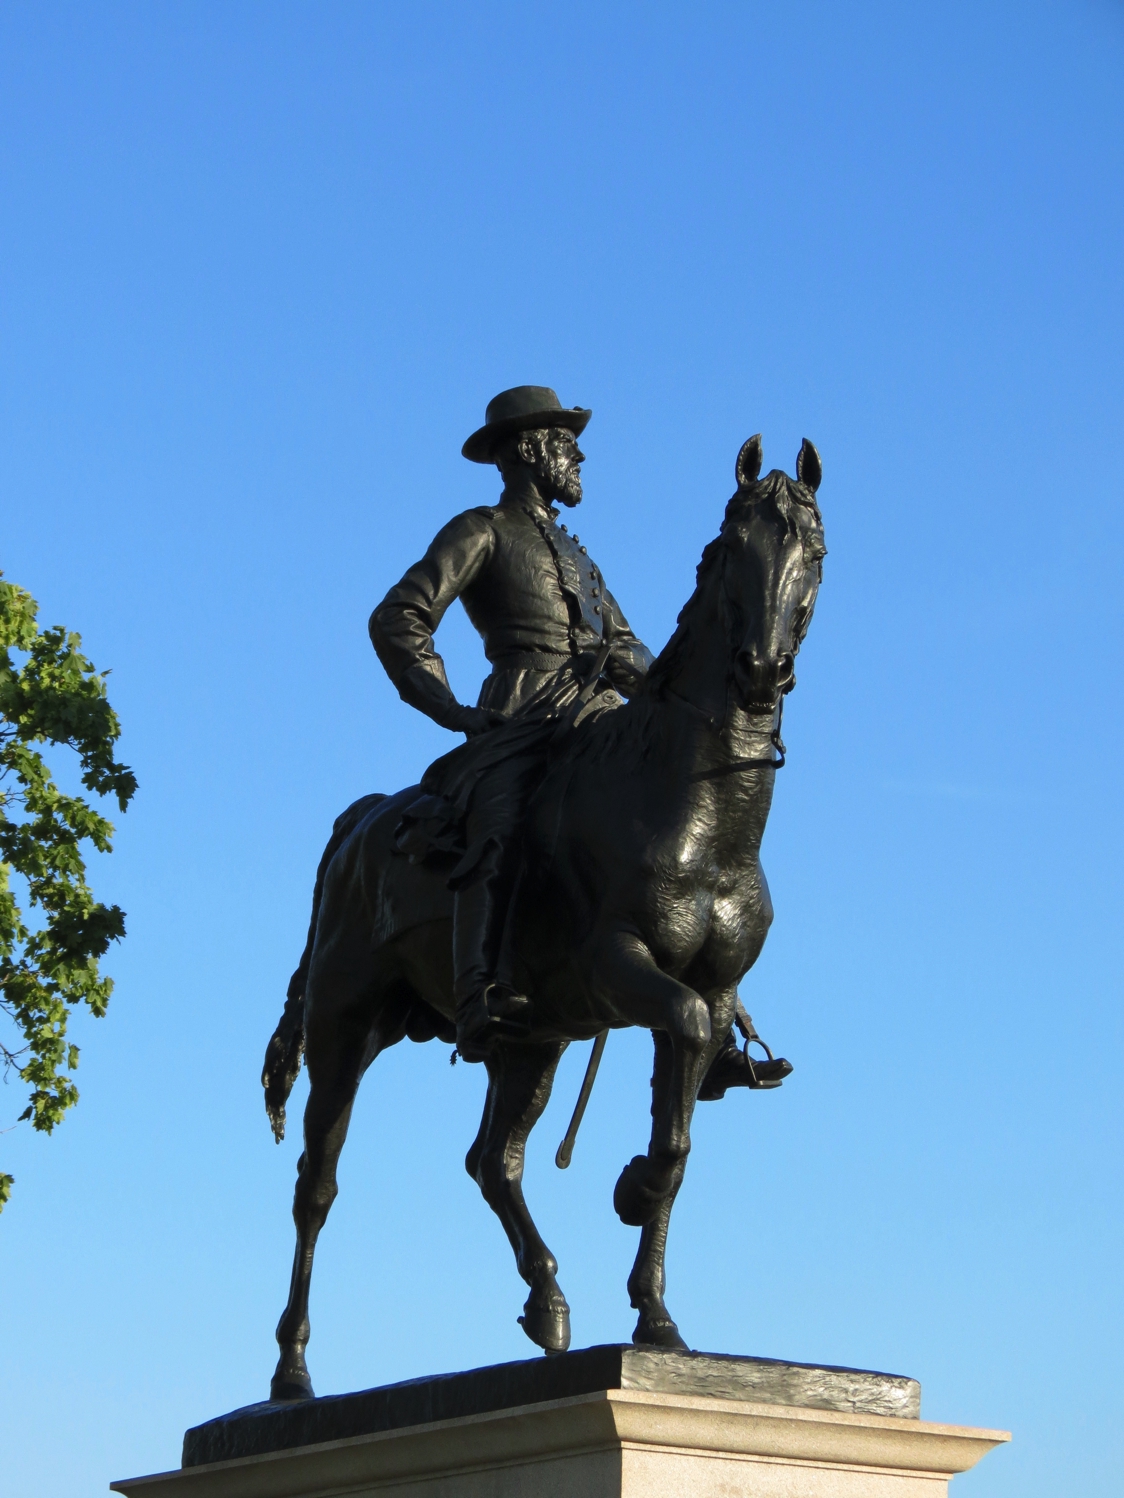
659	1333
547	1326
636	1200
288	1384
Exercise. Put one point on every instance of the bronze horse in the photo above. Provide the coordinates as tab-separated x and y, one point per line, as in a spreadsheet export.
643	903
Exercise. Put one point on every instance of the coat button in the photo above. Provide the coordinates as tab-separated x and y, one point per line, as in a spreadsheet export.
563	527
596	608
596	592
580	548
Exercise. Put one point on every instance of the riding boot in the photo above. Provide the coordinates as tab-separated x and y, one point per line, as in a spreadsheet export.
733	1067
486	1009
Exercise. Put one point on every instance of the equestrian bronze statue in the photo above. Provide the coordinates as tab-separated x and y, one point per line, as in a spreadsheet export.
587	860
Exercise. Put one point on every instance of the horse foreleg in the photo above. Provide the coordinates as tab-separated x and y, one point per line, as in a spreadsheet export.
647	1282
339	1050
519	1083
627	975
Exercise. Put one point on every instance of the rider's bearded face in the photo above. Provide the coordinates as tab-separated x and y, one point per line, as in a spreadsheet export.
557	466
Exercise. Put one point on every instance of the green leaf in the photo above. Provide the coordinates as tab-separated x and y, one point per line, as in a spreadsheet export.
56	696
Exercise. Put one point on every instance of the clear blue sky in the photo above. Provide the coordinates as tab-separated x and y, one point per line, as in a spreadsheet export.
263	266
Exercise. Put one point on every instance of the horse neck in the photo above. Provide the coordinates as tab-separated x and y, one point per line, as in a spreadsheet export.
698	689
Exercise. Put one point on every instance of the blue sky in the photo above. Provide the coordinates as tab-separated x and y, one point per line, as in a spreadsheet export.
263	266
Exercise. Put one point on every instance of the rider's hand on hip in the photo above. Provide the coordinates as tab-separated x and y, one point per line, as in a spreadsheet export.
472	720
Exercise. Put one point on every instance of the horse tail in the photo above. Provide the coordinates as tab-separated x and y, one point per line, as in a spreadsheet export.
285	1050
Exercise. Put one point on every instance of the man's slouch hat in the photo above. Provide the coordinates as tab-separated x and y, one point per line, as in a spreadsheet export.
520	410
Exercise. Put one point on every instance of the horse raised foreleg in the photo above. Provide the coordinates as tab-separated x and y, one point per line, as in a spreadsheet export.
340	1047
519	1083
626	974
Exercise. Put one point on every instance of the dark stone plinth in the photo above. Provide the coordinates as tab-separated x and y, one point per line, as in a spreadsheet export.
277	1427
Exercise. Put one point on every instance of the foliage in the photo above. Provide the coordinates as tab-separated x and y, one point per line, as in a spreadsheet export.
54	697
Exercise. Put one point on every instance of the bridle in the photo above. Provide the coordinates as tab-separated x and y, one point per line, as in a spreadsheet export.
733	766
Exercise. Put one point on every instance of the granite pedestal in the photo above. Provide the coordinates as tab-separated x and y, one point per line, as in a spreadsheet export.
606	1422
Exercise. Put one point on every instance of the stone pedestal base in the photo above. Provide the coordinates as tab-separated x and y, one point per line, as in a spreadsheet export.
611	1443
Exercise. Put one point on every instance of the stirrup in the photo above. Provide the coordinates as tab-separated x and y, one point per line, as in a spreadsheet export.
762	1074
500	1014
505	1003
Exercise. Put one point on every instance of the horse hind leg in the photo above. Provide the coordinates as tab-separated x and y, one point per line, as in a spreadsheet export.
341	1043
519	1083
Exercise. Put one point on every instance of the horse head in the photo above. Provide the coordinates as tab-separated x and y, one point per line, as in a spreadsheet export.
772	554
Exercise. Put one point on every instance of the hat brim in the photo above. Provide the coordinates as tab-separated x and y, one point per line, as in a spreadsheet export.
482	444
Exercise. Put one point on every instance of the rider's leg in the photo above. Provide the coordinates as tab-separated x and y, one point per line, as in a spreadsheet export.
733	1067
485	1010
479	911
728	1069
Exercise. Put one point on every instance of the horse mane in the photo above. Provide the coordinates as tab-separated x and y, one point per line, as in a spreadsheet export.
707	572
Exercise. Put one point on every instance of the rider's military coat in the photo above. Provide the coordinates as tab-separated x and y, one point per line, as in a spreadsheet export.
534	595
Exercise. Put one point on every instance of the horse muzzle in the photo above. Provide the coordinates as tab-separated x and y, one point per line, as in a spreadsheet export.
761	683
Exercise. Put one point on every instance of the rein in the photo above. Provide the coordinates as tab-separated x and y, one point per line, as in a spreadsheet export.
734	766
766	762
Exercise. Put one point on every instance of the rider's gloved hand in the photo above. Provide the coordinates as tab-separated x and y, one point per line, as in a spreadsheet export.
428	691
471	720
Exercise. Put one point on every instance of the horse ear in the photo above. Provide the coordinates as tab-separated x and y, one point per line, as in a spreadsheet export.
748	465
809	469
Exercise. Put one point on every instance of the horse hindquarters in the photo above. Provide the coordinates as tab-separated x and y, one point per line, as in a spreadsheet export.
286	1045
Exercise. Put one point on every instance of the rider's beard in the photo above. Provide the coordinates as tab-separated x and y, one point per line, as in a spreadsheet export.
563	481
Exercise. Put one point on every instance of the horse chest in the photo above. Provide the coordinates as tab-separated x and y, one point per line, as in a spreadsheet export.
707	898
712	849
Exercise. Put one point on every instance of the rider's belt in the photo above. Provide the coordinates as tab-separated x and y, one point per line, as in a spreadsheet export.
532	660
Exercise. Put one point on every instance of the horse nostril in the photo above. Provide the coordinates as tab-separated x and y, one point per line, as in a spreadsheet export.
785	667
